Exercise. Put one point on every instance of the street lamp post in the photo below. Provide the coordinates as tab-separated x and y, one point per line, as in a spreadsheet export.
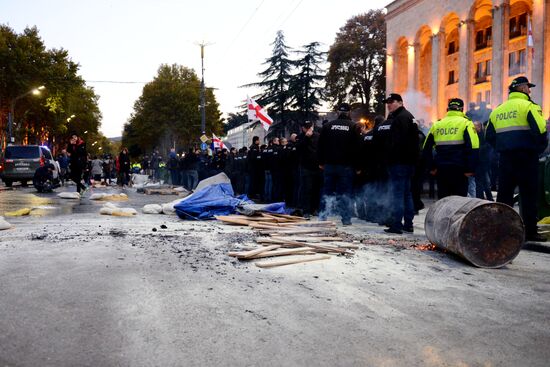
11	115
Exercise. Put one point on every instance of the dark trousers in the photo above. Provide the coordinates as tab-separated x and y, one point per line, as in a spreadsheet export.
451	181
76	176
402	207
483	185
337	191
309	190
520	169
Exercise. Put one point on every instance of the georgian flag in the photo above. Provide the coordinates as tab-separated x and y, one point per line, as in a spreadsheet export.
257	113
217	142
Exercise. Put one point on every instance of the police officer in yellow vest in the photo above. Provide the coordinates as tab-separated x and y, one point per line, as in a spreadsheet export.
456	150
517	130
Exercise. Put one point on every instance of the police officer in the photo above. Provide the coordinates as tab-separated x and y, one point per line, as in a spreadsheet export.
338	156
402	152
456	146
517	130
255	169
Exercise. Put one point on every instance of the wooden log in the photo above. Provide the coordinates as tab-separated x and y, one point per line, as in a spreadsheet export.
272	264
248	254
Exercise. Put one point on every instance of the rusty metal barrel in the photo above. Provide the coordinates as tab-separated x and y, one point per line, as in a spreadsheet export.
485	233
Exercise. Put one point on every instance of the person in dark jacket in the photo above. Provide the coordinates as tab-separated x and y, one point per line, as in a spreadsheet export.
517	130
310	175
338	157
255	170
402	151
124	167
483	181
78	158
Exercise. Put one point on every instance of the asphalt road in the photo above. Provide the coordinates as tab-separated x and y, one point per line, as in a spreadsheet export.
81	289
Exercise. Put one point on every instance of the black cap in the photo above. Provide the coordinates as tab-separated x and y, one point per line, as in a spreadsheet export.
344	107
455	104
520	80
307	124
393	97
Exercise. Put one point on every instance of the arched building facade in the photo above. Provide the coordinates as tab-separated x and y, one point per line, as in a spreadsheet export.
470	49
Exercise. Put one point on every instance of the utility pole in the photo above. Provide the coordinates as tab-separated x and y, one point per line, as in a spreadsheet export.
203	97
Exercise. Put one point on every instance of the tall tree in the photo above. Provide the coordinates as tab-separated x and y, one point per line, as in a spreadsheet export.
276	80
305	84
166	113
25	63
357	61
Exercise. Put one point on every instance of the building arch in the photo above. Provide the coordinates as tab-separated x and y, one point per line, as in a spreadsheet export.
401	65
423	43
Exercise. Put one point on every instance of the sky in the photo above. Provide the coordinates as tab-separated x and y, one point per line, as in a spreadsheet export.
125	41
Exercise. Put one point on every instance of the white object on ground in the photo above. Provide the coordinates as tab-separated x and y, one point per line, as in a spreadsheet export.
139	179
152	209
4	224
104	196
112	209
69	195
214	180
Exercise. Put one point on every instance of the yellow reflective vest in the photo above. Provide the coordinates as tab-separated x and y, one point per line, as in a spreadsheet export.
517	124
456	143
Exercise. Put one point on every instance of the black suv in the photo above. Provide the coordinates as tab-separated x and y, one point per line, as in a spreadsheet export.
19	162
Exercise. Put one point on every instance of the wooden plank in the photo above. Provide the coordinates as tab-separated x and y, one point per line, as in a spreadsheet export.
274	232
283	252
272	264
257	251
287	216
316	246
309	239
232	220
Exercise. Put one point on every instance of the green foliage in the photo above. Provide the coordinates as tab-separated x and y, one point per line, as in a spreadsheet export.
168	111
305	85
357	61
25	63
276	79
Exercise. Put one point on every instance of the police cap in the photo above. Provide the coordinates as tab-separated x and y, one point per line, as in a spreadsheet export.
520	80
344	107
392	97
455	104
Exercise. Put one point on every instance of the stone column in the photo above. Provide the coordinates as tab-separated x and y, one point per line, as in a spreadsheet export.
465	60
411	67
538	63
497	61
390	61
417	66
438	77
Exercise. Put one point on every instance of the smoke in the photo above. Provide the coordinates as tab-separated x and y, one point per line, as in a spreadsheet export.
419	105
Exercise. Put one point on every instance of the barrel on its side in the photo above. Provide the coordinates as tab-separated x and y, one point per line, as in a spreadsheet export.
485	233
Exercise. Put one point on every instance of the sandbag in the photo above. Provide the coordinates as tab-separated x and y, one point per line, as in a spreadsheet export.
3	224
152	209
69	195
109	197
112	209
18	213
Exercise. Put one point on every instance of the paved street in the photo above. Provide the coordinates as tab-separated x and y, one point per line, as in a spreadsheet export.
81	289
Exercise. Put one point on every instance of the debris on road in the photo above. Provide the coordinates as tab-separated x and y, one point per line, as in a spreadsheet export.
112	209
69	195
279	239
18	213
4	225
152	209
109	197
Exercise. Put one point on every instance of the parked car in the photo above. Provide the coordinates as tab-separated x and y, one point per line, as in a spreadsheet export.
19	162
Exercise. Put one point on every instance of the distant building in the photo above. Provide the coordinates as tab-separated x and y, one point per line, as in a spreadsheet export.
241	136
470	49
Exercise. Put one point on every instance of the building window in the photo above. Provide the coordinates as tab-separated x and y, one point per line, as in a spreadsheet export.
517	62
451	77
478	98
484	38
452	48
488	96
483	70
488	67
518	26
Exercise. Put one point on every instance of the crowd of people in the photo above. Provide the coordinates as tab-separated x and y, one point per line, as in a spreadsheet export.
372	172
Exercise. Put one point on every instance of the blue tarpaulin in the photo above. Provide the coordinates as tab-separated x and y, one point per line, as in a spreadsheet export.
217	199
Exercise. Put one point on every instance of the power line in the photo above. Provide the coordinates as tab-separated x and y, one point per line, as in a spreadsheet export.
292	12
244	26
